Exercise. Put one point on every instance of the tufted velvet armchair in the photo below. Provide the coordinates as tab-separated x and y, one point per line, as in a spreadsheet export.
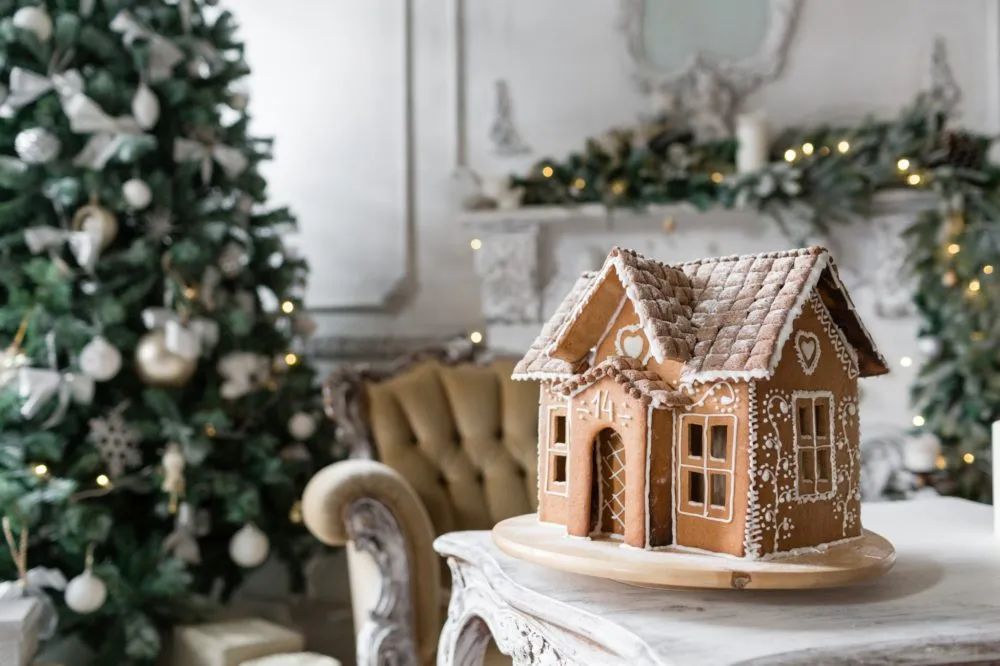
439	443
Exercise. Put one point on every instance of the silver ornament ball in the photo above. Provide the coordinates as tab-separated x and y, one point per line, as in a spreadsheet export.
249	547
35	20
100	360
86	593
238	101
158	366
302	425
137	193
37	145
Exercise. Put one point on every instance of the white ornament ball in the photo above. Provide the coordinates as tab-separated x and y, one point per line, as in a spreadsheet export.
137	193
145	107
36	20
86	593
302	425
929	346
249	547
100	360
37	145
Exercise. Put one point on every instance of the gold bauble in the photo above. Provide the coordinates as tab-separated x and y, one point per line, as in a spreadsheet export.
158	366
100	219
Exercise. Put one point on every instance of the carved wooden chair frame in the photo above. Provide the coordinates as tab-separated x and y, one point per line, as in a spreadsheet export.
387	637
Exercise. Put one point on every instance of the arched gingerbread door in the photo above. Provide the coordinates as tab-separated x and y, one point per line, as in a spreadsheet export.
609	465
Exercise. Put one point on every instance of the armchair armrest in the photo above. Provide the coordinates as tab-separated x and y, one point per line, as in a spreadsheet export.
367	505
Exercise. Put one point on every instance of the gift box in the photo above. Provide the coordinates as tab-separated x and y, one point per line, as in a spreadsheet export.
20	623
233	642
297	659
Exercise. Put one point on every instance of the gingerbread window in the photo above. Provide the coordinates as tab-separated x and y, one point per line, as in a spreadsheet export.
557	474
705	470
814	452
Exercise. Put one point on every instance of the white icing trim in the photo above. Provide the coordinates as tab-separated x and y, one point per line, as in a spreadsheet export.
628	330
830	436
752	532
692	378
801	338
607	331
809	550
846	353
540	375
707	471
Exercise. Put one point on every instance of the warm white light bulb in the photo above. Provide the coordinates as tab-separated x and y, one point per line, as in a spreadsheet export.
475	337
918	420
906	361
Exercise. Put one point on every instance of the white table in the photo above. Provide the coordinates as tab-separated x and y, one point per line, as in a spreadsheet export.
940	604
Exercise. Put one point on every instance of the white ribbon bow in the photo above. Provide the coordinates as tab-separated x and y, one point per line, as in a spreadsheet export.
85	245
163	54
108	132
232	161
38	386
189	339
34	584
27	86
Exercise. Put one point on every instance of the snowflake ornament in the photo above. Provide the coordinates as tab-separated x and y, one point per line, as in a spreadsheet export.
159	225
116	440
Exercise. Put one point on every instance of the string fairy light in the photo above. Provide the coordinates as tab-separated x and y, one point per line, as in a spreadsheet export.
808	149
844	146
790	155
919	421
476	244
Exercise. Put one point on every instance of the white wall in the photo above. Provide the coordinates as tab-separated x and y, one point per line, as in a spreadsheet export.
565	61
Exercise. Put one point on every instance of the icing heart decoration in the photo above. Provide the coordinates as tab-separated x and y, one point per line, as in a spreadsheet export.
632	345
807	350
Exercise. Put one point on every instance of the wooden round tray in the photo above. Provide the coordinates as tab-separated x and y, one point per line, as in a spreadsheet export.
525	538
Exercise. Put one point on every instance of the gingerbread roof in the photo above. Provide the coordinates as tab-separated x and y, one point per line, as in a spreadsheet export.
721	317
644	385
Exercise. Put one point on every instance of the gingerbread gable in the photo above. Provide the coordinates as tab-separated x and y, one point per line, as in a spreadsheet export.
727	317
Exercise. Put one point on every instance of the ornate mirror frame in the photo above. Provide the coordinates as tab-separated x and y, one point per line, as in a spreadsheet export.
704	80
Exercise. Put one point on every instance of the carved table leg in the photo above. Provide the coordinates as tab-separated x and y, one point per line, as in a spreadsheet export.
386	638
476	612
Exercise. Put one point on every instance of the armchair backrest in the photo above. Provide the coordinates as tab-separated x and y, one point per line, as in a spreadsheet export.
464	435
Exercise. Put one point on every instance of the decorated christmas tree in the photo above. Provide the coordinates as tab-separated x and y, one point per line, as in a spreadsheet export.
157	421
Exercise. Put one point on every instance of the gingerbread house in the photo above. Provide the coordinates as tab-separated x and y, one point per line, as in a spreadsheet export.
710	405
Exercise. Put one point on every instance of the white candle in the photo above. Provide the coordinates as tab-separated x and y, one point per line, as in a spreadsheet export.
996	477
751	136
921	453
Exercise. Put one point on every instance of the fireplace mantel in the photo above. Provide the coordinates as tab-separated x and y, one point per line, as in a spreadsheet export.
526	253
